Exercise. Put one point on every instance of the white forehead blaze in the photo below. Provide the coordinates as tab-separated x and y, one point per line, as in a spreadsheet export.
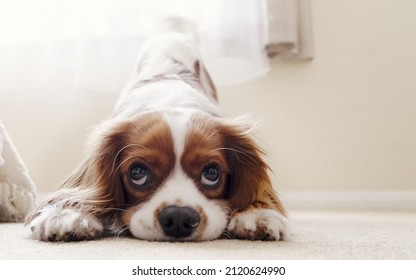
178	123
179	190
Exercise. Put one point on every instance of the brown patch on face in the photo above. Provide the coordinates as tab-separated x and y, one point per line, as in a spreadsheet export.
244	174
149	145
204	149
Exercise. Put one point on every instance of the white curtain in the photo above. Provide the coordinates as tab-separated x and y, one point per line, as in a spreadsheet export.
94	42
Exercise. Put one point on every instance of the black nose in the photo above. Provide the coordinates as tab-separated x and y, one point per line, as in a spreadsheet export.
178	221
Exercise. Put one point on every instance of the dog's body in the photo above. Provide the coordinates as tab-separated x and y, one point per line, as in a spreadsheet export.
168	164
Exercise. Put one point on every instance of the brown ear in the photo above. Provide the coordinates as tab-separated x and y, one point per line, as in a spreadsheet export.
249	182
248	172
98	175
95	186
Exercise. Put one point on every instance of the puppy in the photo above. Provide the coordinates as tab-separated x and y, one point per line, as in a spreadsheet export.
168	165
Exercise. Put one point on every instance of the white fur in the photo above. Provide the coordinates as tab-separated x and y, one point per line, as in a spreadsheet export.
164	95
246	223
59	223
178	124
179	191
178	99
157	57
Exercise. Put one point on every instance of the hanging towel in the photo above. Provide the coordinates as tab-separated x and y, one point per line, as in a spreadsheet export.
17	191
289	29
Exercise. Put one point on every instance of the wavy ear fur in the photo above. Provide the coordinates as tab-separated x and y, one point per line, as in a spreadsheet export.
249	182
95	186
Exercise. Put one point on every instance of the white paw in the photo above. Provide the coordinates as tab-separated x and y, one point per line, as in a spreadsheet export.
65	224
257	224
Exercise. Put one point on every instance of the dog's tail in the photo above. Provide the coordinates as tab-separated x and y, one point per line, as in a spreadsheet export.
172	50
178	25
189	29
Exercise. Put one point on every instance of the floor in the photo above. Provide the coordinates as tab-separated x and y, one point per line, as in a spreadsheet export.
312	235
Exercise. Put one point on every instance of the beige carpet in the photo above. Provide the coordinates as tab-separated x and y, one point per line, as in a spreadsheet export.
314	235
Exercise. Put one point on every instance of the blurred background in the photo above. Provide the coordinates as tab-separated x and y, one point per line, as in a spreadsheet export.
339	120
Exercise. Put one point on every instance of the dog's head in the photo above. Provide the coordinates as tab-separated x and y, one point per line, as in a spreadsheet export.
176	175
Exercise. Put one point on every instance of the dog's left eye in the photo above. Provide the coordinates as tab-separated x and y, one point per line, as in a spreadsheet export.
139	176
210	176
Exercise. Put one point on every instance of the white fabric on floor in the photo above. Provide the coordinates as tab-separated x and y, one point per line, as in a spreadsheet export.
17	191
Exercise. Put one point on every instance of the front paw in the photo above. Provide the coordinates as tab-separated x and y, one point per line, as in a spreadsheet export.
65	224
257	224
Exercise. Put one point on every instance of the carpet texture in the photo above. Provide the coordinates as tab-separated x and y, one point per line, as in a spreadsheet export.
313	235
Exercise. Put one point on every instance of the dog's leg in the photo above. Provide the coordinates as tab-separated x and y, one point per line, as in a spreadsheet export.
67	216
257	212
65	224
262	220
92	193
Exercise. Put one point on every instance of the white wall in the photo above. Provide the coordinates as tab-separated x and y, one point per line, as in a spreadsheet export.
344	121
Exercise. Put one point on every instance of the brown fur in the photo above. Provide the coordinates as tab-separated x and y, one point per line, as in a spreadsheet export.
230	146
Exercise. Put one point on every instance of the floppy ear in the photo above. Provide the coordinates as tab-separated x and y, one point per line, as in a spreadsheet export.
95	185
99	171
249	182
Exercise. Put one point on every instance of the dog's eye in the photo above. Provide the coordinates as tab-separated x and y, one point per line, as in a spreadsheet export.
210	176
139	175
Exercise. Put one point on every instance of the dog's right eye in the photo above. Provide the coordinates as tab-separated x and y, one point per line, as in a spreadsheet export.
139	176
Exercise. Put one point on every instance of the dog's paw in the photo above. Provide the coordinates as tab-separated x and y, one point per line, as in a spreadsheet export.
257	224
65	224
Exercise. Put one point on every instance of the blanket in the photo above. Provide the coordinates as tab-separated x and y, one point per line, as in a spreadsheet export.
17	190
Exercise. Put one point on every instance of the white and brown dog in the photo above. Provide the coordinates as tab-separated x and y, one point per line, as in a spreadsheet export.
168	165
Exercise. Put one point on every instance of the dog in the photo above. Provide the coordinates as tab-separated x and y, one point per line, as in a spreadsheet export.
168	164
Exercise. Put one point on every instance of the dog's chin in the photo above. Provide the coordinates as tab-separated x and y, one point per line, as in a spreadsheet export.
173	239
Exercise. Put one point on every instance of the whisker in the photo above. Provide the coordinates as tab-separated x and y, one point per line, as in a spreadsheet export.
231	149
120	230
226	209
120	209
121	163
122	149
226	234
